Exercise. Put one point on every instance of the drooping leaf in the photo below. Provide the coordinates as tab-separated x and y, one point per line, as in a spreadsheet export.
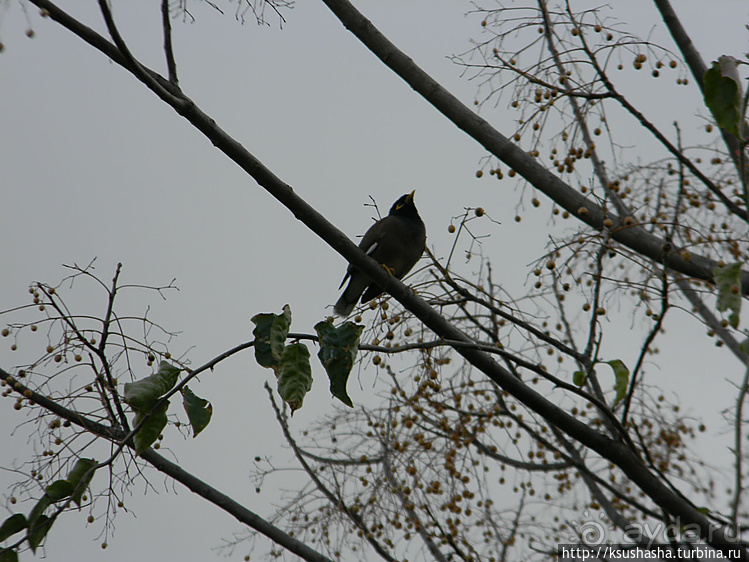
8	555
338	350
38	523
142	395
152	427
723	94
270	336
39	530
578	378
278	332
294	375
263	353
80	476
12	525
38	510
199	411
621	379
728	281
59	490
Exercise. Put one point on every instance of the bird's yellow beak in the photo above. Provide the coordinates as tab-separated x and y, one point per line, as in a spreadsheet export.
408	198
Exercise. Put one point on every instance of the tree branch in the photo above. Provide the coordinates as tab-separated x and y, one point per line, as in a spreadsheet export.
738	438
332	498
166	23
138	70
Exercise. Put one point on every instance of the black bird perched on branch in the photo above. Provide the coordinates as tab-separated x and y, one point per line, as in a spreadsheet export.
396	242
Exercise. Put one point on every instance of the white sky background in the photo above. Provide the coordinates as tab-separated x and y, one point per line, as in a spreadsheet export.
93	165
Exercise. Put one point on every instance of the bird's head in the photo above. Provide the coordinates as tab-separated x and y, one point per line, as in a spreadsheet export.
404	205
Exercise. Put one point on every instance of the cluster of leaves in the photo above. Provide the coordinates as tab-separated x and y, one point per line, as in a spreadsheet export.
148	399
290	362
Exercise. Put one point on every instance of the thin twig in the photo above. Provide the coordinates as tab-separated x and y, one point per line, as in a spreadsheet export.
166	23
335	500
738	439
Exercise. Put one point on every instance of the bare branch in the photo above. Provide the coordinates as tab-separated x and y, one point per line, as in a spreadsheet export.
333	498
166	23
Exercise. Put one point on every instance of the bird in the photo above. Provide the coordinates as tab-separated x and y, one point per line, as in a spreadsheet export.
396	242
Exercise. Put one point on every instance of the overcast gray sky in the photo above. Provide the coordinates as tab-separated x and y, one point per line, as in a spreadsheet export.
93	165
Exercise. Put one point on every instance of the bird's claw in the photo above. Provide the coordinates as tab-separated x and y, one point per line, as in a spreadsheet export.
390	270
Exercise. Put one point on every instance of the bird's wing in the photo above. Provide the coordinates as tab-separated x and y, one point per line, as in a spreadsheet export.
371	239
369	244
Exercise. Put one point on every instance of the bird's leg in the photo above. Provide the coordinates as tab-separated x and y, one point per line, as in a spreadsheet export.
390	270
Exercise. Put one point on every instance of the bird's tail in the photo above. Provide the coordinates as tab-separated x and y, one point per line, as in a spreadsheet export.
351	295
343	307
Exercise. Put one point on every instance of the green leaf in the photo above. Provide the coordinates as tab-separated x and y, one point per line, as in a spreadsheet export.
270	336
199	411
38	523
8	555
39	530
12	525
578	377
263	353
59	490
278	332
294	375
80	477
151	428
621	379
728	281
142	395
338	350
38	510
723	94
